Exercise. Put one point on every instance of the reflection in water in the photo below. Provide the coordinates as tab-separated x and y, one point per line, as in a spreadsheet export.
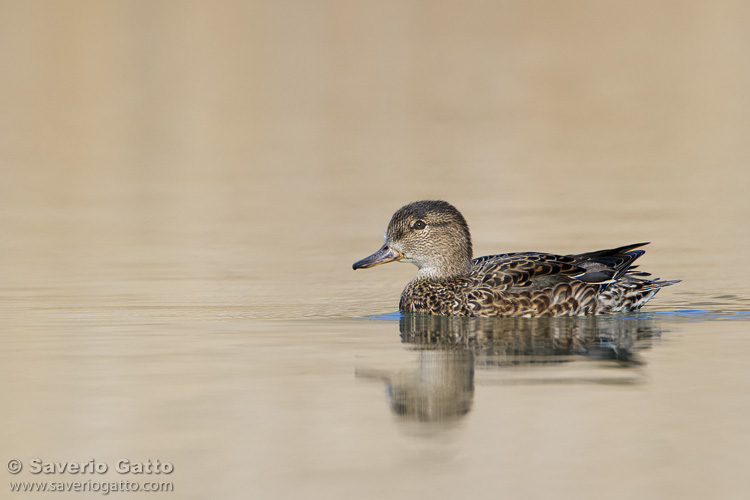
441	388
517	341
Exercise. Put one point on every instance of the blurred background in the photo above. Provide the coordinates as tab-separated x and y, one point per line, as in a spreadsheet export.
200	140
178	168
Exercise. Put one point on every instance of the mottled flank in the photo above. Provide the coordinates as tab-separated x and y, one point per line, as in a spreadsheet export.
434	236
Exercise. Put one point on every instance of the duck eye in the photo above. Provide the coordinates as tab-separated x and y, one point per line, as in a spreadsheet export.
420	224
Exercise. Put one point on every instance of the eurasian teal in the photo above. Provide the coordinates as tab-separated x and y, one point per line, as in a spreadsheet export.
434	236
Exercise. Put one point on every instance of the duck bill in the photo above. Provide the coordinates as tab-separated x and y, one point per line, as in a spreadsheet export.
382	256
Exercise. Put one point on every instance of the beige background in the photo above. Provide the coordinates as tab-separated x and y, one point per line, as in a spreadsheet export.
179	176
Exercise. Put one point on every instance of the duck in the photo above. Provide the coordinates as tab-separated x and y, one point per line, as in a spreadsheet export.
434	236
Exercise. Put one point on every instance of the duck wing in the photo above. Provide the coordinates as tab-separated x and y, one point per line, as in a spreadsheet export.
521	269
541	270
608	266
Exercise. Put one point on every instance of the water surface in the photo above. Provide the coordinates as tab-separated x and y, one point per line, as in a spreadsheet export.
185	189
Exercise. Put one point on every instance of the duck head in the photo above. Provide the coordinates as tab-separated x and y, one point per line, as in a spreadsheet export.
432	235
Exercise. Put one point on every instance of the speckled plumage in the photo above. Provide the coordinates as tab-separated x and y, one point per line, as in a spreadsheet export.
435	237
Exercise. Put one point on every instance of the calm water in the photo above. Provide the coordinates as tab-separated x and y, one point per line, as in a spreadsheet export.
185	187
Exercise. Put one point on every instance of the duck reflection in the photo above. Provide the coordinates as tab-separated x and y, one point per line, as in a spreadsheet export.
510	351
440	389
